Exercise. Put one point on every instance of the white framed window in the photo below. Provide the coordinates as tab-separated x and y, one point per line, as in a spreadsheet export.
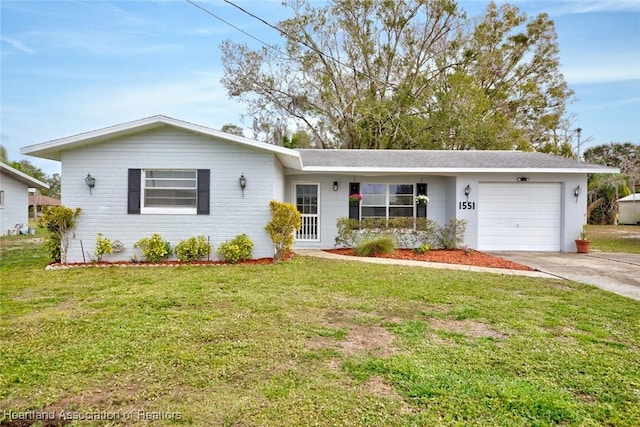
173	191
387	200
1	198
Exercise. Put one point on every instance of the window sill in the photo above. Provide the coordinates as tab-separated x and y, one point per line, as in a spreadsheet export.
168	211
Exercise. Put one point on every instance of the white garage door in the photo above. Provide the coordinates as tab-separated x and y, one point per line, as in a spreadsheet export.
519	216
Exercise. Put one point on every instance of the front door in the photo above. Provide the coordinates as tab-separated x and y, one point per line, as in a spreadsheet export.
307	203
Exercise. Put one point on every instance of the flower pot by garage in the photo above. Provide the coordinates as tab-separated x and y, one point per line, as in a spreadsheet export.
583	246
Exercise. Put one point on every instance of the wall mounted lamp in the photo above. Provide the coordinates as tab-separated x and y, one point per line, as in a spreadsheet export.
522	179
576	192
243	183
467	191
335	185
90	181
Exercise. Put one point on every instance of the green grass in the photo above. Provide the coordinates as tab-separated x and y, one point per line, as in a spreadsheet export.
314	341
615	238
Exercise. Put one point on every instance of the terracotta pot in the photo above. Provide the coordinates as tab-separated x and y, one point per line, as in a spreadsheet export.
583	246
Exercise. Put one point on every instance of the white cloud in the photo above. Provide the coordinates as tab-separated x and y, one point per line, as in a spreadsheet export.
99	42
18	45
602	68
198	97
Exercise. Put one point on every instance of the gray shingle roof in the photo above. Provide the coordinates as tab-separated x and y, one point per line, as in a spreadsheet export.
438	160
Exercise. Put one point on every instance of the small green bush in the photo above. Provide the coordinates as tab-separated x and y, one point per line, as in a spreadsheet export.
103	246
193	249
374	246
59	221
451	235
425	247
285	220
154	248
236	249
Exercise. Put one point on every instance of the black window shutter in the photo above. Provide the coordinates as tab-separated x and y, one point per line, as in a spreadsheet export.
421	208
133	201
203	191
354	207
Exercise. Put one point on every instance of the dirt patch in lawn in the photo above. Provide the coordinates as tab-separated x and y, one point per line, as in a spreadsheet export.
457	256
359	338
467	327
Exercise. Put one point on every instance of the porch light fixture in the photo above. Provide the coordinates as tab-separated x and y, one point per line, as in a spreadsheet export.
90	181
243	183
576	192
467	191
335	185
522	179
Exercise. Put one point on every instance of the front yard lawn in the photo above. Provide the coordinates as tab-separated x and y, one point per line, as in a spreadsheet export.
312	342
615	238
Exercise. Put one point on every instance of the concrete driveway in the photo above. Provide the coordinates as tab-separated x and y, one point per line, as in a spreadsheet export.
615	272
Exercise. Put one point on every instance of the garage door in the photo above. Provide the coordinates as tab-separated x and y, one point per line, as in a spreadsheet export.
519	216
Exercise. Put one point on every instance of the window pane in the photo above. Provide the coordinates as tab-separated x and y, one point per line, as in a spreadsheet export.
401	189
170	183
373	189
170	188
400	212
191	174
401	200
374	212
373	200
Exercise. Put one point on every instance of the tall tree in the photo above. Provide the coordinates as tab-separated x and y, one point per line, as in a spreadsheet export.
405	74
232	129
4	157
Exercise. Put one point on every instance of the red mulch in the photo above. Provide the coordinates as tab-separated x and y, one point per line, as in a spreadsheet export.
258	261
457	256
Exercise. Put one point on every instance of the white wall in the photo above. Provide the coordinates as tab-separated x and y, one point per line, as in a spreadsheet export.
335	204
573	214
16	204
231	214
445	193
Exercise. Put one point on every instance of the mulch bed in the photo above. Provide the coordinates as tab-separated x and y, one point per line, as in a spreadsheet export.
457	256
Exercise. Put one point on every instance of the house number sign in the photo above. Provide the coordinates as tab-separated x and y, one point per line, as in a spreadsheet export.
466	205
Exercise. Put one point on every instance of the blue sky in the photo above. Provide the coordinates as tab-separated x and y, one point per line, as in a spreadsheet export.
74	66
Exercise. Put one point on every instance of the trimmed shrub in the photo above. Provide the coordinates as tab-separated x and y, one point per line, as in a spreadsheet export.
285	220
154	248
374	246
103	246
59	221
236	249
451	235
405	232
193	249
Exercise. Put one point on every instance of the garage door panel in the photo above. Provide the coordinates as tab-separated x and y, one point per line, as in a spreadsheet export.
519	216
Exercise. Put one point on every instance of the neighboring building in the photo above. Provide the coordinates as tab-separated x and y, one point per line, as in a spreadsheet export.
180	180
629	209
14	192
37	201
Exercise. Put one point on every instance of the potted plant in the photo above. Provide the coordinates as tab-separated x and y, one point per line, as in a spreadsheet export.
583	243
422	199
355	198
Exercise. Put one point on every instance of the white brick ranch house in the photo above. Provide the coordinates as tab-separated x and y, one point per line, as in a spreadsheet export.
178	179
14	197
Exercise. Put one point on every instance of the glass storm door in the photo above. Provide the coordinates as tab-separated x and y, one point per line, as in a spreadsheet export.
307	204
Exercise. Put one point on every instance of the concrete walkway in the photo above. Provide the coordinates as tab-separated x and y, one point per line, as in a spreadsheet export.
389	261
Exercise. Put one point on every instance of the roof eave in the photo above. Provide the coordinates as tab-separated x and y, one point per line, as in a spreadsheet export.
350	170
22	177
52	150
